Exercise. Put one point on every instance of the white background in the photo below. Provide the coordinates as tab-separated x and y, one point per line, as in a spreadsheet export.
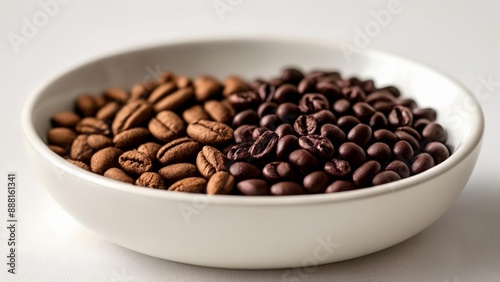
460	38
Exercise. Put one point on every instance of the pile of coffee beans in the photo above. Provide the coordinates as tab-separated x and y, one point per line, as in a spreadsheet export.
299	133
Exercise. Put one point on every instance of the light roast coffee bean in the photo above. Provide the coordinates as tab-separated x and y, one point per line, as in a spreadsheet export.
61	136
135	162
209	161
151	149
65	119
189	185
210	132
118	174
220	183
178	150
105	159
166	126
131	137
175	172
205	87
151	180
195	113
133	114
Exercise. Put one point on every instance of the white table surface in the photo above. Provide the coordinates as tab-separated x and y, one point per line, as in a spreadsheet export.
460	38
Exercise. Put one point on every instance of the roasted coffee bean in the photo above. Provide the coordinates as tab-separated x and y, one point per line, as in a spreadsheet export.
65	119
166	76
284	129
346	123
244	133
380	96
264	145
81	150
378	121
91	125
183	82
116	94
324	117
139	92
195	113
399	167
402	135
380	152
307	85
131	137
118	174
363	111
244	100
258	131
286	93
410	130
189	185
427	113
278	171
342	107
333	133
313	102
220	183
422	162
219	111
340	186
402	150
253	187
385	177
100	101
383	106
233	84
408	103
287	188
178	150
317	145
244	170
108	111
151	149
420	124
151	180
98	142
210	132
86	105
174	101
292	75
363	176
58	150
134	113
360	134
305	125
286	145
438	151
385	136
288	112
266	92
135	162
316	182
337	167
162	91
206	87
270	121
246	117
393	90
331	90
166	126
303	160
268	108
175	172
434	132
105	159
240	152
354	94
79	164
400	116
353	153
209	161
61	136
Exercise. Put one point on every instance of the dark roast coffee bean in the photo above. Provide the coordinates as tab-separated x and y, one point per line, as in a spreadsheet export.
266	92
166	126
380	152
244	170
278	171
135	162
363	111
402	150
411	131
363	176
209	161
134	113
421	163
393	90
434	132
400	116
305	125
385	136
175	172
270	121
420	124
292	75
383	106
338	167
61	136
360	134
247	117
438	151
253	187
380	96
286	93
267	108
244	100
303	160
316	182
313	102
244	133
331	90
346	123
409	103
264	145
353	153
105	159
91	125
286	145
189	185
378	120
65	119
385	177
206	87
402	135
233	84
220	111
131	138
240	152
221	183
399	167
354	94
317	145
324	117
258	131
340	186
284	129
151	180
210	132
287	188
118	174
342	107
307	85
174	101
427	113
178	150
288	112
195	113
333	133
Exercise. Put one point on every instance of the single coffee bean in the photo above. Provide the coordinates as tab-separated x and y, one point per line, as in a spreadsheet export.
340	186
313	102
86	105
244	133
286	93
210	132
253	187
108	111
91	125
183	82
264	145
378	121
81	150
284	129
105	159
434	132
246	117
317	145
244	170
266	91
178	150
151	180
151	149
438	151
400	116
333	133
368	86
167	76
174	101
166	126
380	96
220	183
135	162
278	171
316	182
402	150
139	92
393	90
98	142
65	119
380	152
267	108
61	136
209	161
331	90
337	167
342	107
206	87
134	113
346	123
360	134
384	107
286	145
402	135
240	152
162	91
233	84
189	185
305	125
399	167
422	162
270	121
307	85
354	94
292	75
411	131
287	188
118	174
175	172
324	117
58	150
219	111
385	177
363	176
409	103
303	160
116	94
131	137
363	110
420	124
195	113
258	131
244	100
385	136
353	153
79	164
427	113
288	112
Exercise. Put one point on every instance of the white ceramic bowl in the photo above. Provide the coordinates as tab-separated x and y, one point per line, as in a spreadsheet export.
255	232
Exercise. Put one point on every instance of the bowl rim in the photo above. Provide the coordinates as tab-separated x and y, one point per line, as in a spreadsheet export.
34	140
